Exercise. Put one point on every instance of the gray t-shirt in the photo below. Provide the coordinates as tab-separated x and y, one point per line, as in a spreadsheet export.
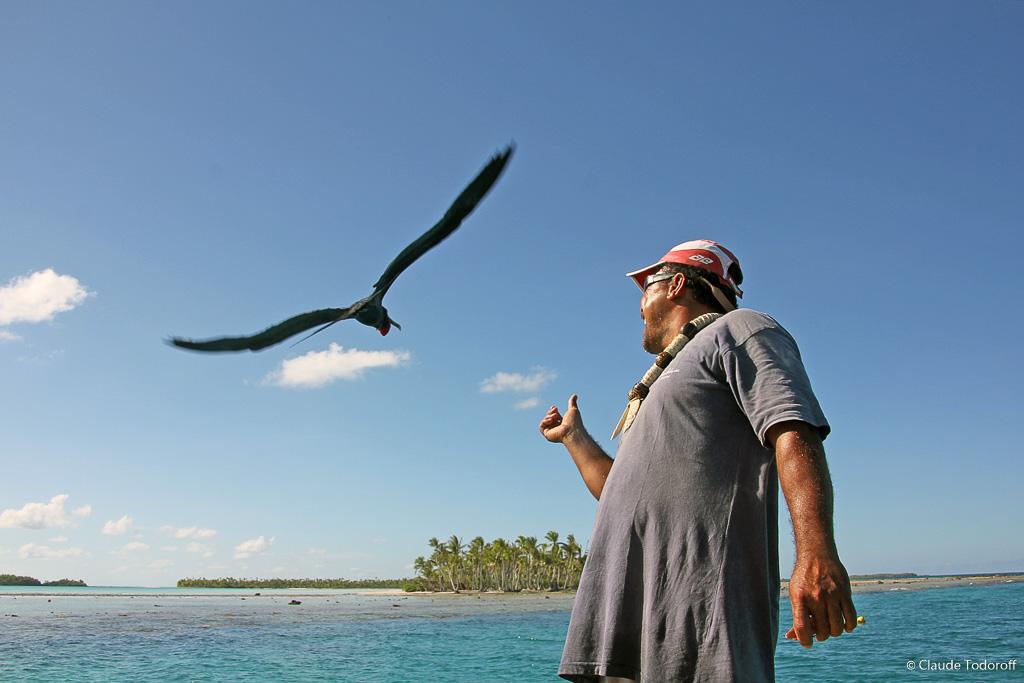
682	579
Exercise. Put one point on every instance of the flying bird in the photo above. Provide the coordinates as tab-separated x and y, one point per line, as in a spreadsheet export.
369	310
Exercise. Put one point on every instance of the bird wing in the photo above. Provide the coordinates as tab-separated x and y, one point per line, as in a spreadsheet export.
457	212
460	208
270	336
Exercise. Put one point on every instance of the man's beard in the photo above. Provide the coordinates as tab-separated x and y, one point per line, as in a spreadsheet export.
654	336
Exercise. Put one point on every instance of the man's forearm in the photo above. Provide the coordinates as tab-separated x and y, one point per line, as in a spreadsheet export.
819	590
591	460
803	474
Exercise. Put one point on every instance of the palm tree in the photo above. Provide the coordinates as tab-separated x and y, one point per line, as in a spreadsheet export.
455	550
499	559
475	551
529	553
502	565
554	559
442	560
576	559
428	570
556	564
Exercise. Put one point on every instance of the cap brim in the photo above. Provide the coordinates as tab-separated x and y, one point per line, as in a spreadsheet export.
638	276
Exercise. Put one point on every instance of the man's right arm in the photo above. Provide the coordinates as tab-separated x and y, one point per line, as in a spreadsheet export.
591	460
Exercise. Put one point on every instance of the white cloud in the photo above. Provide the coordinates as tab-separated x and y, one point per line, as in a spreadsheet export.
133	546
317	368
204	549
160	564
188	532
59	539
41	515
39	296
316	551
531	402
118	528
6	336
257	546
31	550
521	384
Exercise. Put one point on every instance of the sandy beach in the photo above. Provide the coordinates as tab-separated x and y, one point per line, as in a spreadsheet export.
916	583
490	600
860	585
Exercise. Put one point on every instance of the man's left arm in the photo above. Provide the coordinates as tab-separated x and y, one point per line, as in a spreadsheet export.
819	590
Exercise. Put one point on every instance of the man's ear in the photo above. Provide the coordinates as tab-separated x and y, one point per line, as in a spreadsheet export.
676	287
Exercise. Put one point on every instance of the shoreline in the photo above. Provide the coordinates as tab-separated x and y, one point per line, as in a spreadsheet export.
859	586
917	583
909	583
914	583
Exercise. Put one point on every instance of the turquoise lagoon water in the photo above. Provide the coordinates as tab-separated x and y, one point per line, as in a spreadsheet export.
169	635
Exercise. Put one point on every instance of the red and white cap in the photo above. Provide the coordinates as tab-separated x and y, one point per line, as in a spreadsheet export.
710	256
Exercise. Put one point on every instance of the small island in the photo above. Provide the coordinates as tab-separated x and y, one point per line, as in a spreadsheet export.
524	564
478	566
12	580
231	582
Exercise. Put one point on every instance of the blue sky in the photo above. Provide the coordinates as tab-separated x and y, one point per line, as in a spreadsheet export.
203	169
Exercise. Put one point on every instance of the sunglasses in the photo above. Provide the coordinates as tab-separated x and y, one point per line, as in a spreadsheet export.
660	277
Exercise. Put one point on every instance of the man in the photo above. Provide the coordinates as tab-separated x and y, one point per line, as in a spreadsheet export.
682	577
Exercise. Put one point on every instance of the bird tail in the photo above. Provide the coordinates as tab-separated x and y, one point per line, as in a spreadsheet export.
316	331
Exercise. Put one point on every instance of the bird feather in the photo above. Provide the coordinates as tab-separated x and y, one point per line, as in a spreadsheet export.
452	219
369	310
270	336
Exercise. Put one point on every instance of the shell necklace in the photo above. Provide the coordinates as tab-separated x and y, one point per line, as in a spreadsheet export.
640	390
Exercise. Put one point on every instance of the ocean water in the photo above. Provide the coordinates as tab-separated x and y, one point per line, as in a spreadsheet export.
171	635
906	632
